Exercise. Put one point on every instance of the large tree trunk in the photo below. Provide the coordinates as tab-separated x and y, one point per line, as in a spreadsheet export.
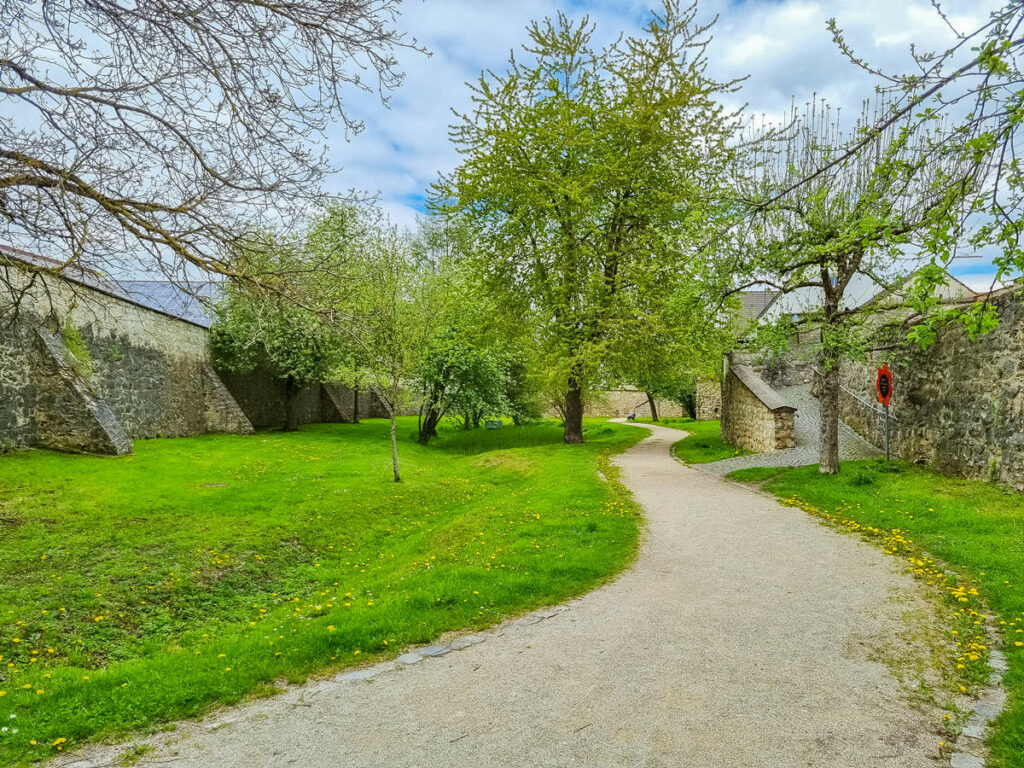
428	426
829	357
394	447
291	416
654	408
829	401
355	405
573	432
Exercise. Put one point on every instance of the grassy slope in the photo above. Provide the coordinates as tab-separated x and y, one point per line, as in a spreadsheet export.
975	527
141	589
704	443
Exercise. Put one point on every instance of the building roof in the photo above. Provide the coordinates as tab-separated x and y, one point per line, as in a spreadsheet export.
190	301
860	291
754	303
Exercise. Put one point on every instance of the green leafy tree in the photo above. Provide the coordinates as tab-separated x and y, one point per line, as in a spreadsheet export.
975	86
667	345
265	329
585	174
457	377
522	395
337	244
850	218
396	308
475	365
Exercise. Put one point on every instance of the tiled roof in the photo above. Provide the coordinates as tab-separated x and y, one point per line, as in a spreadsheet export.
754	303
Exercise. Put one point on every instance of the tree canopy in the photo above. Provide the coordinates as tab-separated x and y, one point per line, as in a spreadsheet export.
164	136
851	217
975	87
586	173
268	330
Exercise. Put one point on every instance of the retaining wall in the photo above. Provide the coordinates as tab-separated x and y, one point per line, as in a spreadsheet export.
263	400
754	416
617	403
149	373
708	399
959	404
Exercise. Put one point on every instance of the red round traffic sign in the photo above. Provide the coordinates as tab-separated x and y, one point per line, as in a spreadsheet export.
884	385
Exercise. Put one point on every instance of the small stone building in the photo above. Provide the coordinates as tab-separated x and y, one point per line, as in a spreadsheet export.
708	392
754	416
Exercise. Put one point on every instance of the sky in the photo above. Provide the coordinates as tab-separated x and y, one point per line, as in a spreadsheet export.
782	47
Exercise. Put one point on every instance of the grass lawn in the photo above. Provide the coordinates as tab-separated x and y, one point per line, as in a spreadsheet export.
704	443
675	422
974	527
141	589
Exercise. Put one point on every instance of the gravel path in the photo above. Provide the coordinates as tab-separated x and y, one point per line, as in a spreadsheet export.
807	434
740	637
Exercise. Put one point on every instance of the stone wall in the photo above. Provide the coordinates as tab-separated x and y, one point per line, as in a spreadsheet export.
43	400
146	374
161	392
617	403
959	405
754	416
20	354
708	399
262	398
344	401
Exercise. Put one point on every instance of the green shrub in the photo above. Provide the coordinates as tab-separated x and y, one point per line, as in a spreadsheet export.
77	354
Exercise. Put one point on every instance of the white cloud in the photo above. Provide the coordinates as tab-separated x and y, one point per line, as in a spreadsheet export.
784	48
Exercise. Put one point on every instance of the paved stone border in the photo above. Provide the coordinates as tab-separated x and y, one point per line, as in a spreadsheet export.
416	655
410	657
970	745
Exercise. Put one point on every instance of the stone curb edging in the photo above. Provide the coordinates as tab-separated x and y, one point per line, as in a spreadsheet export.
970	744
407	659
302	694
417	655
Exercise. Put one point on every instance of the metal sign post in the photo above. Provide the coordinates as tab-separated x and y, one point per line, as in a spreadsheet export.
884	385
887	433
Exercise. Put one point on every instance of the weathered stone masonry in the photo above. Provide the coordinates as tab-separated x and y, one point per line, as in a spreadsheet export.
959	404
617	403
262	398
708	399
151	374
754	416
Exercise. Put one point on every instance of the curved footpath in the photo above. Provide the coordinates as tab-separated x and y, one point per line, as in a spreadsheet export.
740	637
